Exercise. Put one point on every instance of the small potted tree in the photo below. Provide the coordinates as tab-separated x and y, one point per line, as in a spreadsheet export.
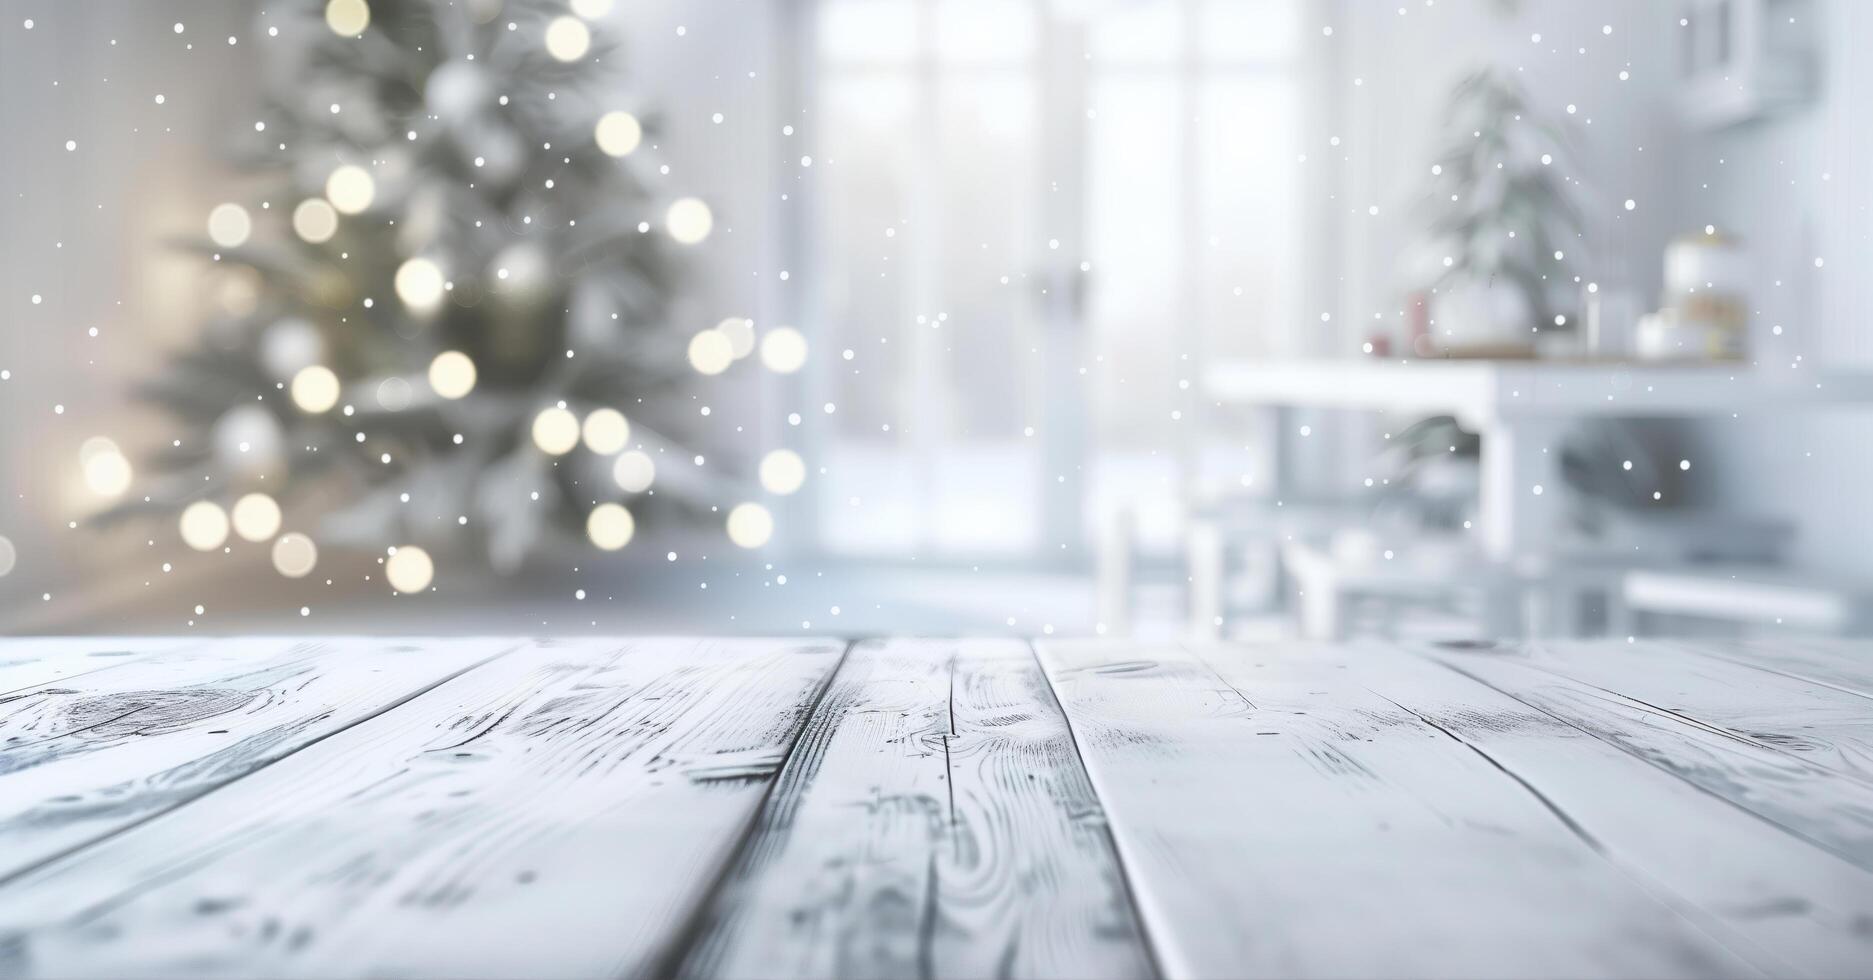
1500	221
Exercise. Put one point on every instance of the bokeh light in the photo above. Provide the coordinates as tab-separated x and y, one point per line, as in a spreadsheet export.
606	431
256	517
347	18
750	525
229	225
688	220
710	352
634	471
420	285
315	389
315	220
783	350
556	431
452	374
618	133
782	471
204	525
567	38
350	189
294	555
610	527
106	470
409	569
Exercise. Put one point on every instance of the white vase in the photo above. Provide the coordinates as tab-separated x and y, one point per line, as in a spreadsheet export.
1480	316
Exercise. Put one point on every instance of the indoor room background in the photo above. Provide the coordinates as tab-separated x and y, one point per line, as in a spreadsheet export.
1107	316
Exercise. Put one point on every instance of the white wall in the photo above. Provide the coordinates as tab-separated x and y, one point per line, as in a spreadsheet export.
1397	71
1796	188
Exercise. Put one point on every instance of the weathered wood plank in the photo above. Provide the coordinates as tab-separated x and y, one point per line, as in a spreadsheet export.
1788	906
935	821
1805	798
1844	664
1281	819
30	661
94	750
1819	723
554	812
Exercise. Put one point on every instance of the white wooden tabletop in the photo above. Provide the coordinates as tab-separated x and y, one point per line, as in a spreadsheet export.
804	808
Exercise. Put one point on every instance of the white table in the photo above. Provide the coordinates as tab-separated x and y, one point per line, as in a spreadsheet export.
485	806
1521	408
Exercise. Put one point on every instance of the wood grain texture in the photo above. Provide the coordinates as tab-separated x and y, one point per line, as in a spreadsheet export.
1276	817
934	821
98	749
30	661
1802	796
554	812
1787	906
1843	664
1776	709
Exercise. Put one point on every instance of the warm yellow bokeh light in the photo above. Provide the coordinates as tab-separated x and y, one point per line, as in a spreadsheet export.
783	350
347	18
610	526
409	569
634	471
591	9
96	446
294	555
452	374
350	189
618	133
740	333
229	225
782	471
688	220
556	431
419	285
315	220
567	38
204	525
606	431
750	525
107	471
256	517
710	352
315	389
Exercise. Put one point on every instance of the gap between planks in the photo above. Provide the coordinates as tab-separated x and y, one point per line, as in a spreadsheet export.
1182	770
516	834
860	865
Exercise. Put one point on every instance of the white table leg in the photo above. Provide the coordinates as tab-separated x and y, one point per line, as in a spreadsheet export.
1521	493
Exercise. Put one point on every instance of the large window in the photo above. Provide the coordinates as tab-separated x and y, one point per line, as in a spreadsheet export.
1036	219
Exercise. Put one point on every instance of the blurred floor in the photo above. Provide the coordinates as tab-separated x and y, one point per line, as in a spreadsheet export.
645	594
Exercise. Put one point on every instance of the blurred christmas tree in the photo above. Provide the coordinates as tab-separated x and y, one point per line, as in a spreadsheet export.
444	300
